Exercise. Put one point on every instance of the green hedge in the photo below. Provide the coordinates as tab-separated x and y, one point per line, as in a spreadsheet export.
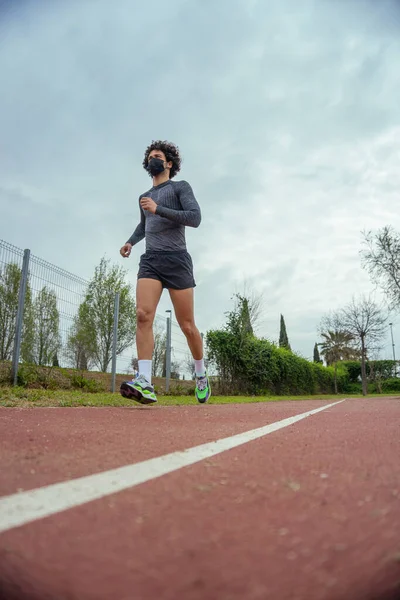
374	368
390	385
256	366
354	388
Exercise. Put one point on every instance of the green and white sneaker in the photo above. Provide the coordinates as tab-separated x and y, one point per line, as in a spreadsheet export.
203	388
139	389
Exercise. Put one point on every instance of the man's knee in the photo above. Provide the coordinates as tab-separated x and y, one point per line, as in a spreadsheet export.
144	317
188	328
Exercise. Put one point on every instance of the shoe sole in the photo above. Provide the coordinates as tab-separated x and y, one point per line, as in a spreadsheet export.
203	401
132	394
200	400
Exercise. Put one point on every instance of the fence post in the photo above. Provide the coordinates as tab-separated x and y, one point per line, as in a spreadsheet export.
20	315
115	339
168	353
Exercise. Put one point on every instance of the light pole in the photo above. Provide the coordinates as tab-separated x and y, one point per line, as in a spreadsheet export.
394	355
168	352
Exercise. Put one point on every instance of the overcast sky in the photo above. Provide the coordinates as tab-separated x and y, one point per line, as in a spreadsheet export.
287	114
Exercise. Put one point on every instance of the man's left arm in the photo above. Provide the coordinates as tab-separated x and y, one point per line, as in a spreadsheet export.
190	215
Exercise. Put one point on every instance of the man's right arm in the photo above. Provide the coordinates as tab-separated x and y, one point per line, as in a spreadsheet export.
139	233
136	237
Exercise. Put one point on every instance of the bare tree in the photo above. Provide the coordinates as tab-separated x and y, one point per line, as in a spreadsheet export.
331	321
375	374
188	365
175	369
381	258
366	321
160	346
253	303
134	366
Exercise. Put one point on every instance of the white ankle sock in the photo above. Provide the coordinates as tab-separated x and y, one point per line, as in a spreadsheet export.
145	369
200	367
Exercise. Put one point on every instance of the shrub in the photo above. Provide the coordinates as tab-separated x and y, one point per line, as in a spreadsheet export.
376	369
78	381
53	378
354	388
256	366
5	373
353	368
48	378
27	375
390	385
380	369
176	390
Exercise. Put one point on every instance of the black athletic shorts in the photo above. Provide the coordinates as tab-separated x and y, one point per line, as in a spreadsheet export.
174	269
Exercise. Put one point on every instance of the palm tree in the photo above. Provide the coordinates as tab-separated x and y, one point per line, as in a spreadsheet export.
336	347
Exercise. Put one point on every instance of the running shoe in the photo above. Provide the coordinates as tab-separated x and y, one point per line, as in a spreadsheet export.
203	388
139	389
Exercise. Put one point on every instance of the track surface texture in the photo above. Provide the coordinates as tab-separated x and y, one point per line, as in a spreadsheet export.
308	512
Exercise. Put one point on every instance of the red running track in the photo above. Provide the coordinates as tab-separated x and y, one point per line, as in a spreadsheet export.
309	512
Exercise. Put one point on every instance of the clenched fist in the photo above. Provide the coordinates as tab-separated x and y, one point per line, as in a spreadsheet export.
126	250
148	204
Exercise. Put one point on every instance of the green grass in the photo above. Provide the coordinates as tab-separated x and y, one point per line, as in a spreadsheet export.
25	398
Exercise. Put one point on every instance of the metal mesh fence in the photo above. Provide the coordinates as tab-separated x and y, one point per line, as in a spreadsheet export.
49	330
10	273
55	298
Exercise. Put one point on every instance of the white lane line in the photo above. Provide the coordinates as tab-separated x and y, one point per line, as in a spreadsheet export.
24	507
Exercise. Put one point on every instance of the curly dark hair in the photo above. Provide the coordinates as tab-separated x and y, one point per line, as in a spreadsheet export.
171	154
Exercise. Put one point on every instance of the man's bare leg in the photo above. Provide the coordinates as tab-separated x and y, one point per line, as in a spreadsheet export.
148	294
183	301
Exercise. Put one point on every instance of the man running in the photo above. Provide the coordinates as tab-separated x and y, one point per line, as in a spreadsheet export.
165	210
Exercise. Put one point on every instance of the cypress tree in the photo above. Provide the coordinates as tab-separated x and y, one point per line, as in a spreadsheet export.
317	358
283	337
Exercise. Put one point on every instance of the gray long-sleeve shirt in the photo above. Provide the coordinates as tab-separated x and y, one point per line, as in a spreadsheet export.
177	208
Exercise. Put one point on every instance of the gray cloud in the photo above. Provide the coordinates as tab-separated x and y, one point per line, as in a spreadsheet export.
286	113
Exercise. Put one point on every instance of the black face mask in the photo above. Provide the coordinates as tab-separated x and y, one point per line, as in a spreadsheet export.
155	166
